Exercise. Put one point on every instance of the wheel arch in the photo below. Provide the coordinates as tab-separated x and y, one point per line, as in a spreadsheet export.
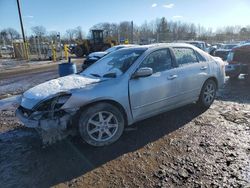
109	101
210	78
214	79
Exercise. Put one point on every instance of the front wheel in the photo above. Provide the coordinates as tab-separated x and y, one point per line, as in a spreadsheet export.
208	93
101	124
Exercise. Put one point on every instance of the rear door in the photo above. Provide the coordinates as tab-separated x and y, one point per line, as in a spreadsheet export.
192	72
153	94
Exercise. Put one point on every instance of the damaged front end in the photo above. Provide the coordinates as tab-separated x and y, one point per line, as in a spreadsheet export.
49	118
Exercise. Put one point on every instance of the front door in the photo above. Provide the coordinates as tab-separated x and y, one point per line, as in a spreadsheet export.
153	94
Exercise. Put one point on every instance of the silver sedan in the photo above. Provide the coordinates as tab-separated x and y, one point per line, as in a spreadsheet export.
120	89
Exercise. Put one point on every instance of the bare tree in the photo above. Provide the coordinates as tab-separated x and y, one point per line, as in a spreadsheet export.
70	35
4	37
79	33
39	31
124	30
146	33
53	36
13	34
8	35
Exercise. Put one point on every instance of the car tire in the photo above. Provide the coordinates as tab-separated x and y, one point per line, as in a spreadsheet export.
101	124
208	94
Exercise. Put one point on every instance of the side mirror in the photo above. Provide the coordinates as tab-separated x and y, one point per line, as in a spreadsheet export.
143	72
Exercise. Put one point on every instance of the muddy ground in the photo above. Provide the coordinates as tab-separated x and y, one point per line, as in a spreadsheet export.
186	147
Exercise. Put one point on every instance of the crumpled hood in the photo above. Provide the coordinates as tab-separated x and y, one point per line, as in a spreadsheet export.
97	54
58	85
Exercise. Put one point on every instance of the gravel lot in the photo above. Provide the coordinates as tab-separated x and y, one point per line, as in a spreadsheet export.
186	147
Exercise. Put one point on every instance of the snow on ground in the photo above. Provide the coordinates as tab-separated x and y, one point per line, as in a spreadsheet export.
6	64
8	102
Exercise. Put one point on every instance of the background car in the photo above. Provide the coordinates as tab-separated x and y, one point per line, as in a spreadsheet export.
95	56
122	88
200	44
224	51
238	61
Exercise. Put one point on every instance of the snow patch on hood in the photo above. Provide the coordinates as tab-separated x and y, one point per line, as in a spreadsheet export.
58	85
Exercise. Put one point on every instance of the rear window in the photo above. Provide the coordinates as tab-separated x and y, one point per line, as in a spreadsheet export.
200	57
185	56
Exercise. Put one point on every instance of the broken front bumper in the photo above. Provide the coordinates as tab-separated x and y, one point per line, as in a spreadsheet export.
37	120
25	120
52	126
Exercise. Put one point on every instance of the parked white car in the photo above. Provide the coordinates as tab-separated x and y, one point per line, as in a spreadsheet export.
95	56
122	88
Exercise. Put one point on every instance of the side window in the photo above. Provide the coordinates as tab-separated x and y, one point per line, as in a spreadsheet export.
159	61
200	57
185	56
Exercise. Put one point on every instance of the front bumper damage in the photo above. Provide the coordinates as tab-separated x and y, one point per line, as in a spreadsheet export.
52	125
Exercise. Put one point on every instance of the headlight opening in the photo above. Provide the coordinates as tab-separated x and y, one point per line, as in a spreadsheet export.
54	103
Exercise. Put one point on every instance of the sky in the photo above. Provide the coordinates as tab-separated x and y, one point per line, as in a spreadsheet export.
60	15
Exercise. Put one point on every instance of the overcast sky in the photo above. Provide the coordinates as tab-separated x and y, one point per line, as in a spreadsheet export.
59	15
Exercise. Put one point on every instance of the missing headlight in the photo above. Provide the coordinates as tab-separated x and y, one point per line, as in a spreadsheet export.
53	103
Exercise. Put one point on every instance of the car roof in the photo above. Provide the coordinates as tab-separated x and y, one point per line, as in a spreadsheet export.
164	45
230	44
195	41
243	47
126	45
158	46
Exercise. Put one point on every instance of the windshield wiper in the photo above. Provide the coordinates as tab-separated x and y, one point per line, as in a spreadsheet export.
110	75
96	75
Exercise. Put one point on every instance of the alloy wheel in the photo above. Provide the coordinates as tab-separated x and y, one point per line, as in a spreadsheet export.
102	126
209	93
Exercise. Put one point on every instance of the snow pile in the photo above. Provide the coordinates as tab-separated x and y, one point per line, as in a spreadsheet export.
58	85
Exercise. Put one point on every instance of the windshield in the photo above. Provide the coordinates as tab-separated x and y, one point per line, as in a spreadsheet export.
114	64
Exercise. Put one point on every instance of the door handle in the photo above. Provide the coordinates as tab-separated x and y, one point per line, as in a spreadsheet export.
203	68
172	77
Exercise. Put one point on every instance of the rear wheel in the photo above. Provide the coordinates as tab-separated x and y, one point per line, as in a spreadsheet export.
208	93
101	124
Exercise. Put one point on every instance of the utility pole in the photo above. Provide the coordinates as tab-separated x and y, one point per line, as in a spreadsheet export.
118	37
132	32
21	23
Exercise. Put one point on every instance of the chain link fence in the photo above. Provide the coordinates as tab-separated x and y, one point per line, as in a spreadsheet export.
34	49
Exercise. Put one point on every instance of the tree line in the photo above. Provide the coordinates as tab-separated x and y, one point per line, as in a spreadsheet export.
158	30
